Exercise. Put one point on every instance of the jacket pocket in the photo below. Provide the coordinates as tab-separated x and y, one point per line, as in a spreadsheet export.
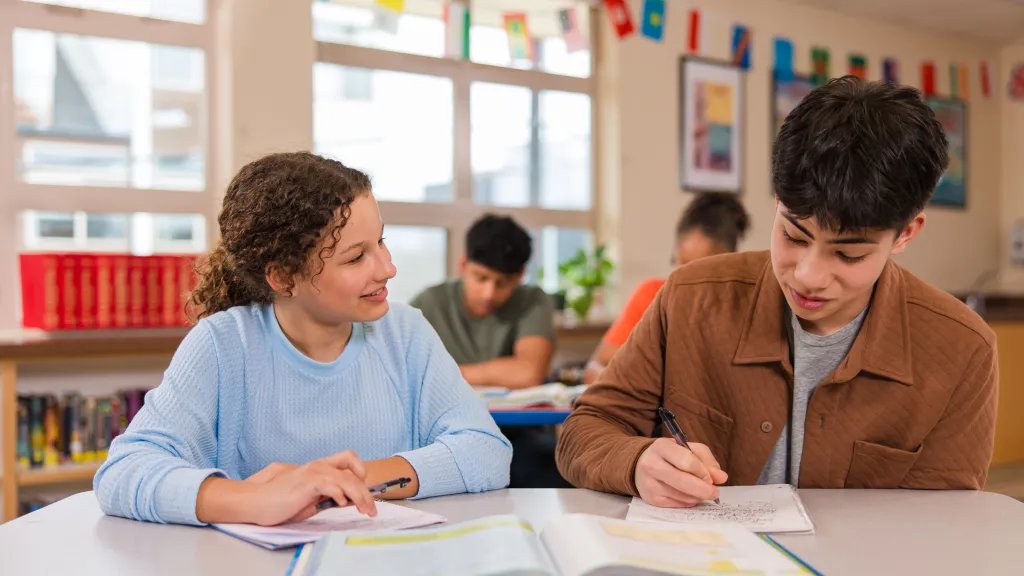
703	424
879	466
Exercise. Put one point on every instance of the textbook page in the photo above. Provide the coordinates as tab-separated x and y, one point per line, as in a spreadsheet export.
584	545
389	517
490	545
769	508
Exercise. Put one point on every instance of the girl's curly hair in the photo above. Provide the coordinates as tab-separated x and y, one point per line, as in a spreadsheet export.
276	210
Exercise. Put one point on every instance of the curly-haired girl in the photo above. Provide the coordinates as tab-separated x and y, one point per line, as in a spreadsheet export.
296	366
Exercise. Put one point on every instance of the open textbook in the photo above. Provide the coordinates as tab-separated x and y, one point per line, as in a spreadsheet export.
769	508
571	545
552	394
389	517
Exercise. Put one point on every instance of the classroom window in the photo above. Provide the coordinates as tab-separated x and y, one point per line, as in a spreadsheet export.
551	246
419	29
368	120
193	11
420	255
558	36
140	233
95	111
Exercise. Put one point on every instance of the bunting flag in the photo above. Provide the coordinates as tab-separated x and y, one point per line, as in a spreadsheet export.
653	25
1015	87
393	5
618	13
456	30
693	38
954	80
519	45
819	66
741	46
986	82
963	90
859	66
890	71
928	78
385	19
571	32
783	60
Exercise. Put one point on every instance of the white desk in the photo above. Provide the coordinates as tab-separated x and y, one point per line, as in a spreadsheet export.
858	532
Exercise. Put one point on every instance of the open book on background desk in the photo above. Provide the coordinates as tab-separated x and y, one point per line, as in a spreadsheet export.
389	517
553	394
771	508
571	545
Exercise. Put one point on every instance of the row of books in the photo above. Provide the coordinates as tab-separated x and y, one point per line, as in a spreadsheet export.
72	428
88	291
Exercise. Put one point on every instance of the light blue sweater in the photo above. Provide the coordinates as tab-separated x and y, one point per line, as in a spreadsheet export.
238	396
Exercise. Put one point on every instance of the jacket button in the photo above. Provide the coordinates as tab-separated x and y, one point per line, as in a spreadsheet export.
766	426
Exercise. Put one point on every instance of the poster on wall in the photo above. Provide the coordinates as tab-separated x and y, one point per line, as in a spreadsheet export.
711	126
952	188
786	94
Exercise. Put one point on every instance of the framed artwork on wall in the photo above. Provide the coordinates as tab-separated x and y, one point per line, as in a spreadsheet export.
786	94
952	188
710	125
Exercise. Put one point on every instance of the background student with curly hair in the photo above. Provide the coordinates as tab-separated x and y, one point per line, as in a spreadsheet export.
300	382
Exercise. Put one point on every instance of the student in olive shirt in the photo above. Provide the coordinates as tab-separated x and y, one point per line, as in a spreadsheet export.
500	332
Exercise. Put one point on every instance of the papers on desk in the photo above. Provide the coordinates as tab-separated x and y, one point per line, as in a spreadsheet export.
554	395
389	517
570	545
770	508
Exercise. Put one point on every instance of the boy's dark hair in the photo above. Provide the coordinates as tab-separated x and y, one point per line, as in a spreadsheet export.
718	215
859	155
276	210
497	242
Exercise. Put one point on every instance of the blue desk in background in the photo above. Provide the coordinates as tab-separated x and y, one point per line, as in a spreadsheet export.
530	416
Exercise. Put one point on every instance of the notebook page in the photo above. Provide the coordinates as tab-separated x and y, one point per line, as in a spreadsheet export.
490	545
770	508
389	517
624	547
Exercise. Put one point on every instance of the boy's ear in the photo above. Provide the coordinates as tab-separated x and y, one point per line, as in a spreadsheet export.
279	280
908	233
462	264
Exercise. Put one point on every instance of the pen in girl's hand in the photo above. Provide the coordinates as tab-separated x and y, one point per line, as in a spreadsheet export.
375	490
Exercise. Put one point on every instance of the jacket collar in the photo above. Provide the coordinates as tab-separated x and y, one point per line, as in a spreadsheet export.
882	347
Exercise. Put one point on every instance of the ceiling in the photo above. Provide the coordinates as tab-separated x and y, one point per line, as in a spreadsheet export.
1000	21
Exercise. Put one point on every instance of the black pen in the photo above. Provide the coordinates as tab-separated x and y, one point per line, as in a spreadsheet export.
669	420
375	490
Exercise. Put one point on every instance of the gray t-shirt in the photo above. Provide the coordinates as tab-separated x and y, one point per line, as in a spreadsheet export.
528	312
814	358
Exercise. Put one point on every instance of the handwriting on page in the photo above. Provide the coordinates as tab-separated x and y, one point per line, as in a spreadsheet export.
750	514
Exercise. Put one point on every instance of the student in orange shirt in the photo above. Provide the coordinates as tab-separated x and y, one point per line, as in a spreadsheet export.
713	223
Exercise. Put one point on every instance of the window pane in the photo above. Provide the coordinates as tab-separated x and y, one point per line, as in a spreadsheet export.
551	246
420	254
418	30
106	226
500	118
55	224
559	37
370	120
178	10
565	150
102	112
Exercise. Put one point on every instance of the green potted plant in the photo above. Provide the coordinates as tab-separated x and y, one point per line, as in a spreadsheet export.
582	275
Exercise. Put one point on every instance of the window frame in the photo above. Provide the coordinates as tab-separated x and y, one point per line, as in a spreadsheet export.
458	214
20	196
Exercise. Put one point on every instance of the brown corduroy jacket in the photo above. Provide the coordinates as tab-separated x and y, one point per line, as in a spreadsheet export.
912	405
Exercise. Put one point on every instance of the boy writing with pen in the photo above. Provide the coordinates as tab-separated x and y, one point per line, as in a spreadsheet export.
300	382
820	363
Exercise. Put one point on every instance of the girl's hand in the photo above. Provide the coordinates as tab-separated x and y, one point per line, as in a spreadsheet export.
286	492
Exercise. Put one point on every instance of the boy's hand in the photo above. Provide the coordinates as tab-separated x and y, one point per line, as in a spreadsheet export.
670	476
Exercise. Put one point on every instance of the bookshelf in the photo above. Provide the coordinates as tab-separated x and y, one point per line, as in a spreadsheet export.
20	348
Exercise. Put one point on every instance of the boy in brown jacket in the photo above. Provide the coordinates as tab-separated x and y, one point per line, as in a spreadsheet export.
820	363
